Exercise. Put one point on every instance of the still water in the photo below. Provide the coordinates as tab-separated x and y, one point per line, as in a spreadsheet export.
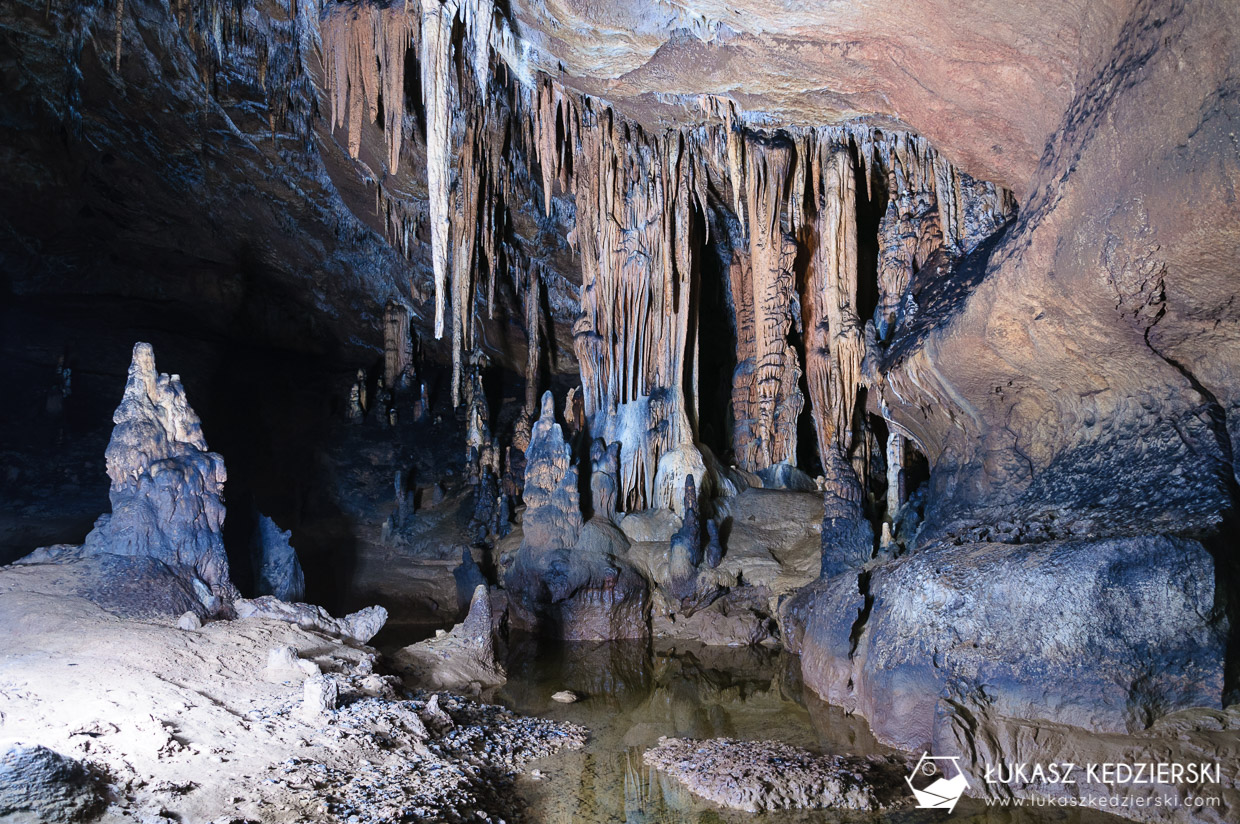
631	694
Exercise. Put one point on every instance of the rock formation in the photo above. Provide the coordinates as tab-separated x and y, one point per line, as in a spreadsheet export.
766	398
757	776
39	784
463	658
358	626
167	489
553	507
569	579
276	568
1107	636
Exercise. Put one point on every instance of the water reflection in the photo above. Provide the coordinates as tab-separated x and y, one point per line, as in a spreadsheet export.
633	693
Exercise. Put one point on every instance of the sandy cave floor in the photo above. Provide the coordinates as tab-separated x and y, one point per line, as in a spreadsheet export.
190	726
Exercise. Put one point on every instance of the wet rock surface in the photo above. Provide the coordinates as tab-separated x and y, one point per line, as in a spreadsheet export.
771	775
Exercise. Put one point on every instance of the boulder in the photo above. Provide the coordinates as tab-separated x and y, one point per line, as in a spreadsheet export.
359	626
38	784
320	695
1105	636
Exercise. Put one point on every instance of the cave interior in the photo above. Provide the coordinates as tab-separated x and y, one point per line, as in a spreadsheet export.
627	410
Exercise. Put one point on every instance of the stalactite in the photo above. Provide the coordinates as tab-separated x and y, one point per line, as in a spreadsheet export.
120	30
397	346
531	345
636	198
437	20
834	344
465	225
931	206
364	67
766	397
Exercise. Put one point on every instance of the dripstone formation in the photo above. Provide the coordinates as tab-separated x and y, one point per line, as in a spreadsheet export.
904	345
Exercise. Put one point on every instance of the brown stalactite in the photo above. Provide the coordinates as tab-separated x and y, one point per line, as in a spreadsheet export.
766	397
397	345
363	65
635	229
834	344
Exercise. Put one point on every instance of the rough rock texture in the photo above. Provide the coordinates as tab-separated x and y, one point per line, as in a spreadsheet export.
567	579
770	775
126	586
277	570
39	784
552	506
1194	736
360	626
167	489
1097	338
194	719
461	659
1107	636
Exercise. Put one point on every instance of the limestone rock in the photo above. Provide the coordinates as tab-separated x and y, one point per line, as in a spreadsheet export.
38	784
553	509
604	478
462	658
167	488
320	695
277	570
569	579
1106	636
127	586
360	626
189	621
770	775
565	697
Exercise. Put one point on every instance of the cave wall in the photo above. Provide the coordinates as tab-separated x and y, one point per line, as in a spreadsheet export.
1086	383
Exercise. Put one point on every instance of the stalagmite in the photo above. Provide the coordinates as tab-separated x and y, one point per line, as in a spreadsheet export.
766	397
397	345
553	508
895	473
167	488
604	477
